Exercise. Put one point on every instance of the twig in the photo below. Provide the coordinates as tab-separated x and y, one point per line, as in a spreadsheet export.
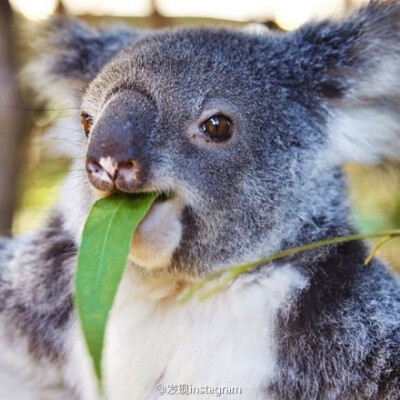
227	274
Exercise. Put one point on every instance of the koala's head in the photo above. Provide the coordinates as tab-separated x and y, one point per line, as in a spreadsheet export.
241	132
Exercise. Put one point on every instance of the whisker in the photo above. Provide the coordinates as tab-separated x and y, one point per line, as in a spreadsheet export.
50	159
38	179
50	139
39	109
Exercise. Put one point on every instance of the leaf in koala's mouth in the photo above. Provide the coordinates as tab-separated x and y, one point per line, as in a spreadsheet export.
102	257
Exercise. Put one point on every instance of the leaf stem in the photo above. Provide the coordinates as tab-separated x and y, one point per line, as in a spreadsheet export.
376	247
229	273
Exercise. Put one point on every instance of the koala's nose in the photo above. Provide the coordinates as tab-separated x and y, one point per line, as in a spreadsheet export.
107	174
120	150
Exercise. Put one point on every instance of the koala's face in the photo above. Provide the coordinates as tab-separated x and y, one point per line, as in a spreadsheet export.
242	133
189	114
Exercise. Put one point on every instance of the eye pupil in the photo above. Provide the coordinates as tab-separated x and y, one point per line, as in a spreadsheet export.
218	127
86	122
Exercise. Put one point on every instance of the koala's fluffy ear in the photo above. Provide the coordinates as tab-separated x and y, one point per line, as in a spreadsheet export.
356	69
68	54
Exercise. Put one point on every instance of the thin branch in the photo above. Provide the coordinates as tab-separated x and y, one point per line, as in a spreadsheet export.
227	274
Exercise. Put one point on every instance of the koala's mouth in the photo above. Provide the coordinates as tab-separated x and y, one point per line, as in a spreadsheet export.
163	196
163	202
159	233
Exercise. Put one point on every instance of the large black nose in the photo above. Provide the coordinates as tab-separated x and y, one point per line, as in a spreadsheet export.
119	153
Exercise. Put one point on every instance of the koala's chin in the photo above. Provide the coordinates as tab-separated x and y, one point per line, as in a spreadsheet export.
157	236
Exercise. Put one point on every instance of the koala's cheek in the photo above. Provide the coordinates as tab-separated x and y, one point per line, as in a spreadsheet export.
157	236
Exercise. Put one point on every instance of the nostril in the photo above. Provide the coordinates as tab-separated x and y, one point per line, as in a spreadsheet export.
127	177
92	167
98	177
128	168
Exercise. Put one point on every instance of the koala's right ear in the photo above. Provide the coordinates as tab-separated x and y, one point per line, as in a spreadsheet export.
354	64
69	54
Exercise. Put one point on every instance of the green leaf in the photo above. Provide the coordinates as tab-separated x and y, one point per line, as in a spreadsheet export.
102	257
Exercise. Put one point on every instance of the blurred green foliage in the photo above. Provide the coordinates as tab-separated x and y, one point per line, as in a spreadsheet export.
39	190
375	199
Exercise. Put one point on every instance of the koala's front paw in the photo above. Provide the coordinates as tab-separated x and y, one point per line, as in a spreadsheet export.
158	235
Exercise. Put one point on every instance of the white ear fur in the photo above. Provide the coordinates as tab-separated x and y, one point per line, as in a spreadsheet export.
69	55
364	134
364	125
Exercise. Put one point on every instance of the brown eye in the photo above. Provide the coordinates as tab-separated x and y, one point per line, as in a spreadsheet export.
218	127
87	122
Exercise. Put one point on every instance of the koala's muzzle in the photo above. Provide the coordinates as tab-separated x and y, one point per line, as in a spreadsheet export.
118	154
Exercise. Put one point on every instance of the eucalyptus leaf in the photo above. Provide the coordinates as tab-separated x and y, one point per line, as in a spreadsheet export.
102	257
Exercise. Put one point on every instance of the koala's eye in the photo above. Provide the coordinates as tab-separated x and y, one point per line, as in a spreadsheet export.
87	122
218	127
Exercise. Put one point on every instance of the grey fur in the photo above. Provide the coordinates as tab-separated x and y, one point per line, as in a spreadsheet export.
275	184
33	304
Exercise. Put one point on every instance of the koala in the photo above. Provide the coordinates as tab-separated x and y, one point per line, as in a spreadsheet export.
244	134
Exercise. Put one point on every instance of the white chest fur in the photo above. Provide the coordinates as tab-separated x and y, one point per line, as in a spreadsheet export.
226	341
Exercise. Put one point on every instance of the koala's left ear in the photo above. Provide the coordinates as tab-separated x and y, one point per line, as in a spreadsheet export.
69	54
356	69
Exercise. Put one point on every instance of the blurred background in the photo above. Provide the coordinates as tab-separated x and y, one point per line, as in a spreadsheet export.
30	175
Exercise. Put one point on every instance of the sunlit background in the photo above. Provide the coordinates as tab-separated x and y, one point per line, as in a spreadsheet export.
374	192
288	14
